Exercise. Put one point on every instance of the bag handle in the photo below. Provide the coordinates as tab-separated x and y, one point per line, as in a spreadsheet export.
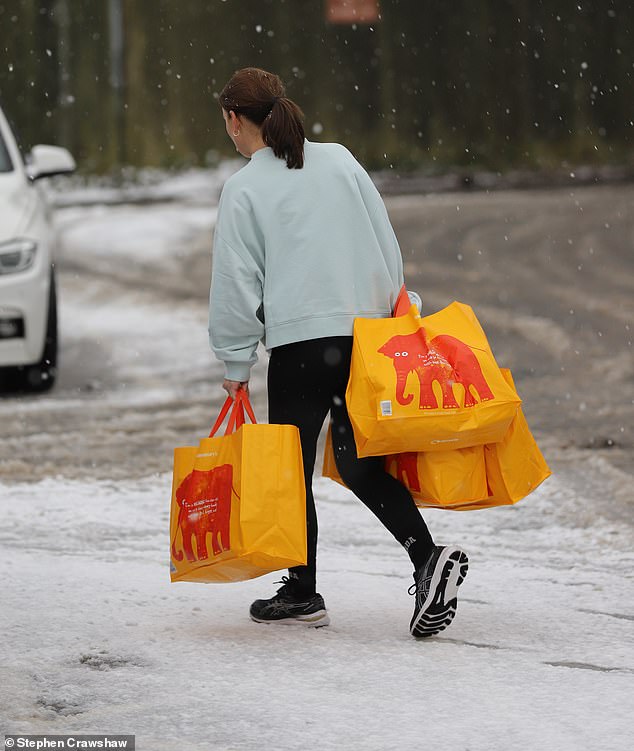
244	397
223	413
236	418
403	303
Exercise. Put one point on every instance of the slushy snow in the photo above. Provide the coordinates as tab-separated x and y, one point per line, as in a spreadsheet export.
97	640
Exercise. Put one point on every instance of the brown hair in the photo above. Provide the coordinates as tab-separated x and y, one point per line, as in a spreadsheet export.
260	97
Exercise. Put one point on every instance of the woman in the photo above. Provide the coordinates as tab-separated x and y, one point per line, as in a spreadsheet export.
303	245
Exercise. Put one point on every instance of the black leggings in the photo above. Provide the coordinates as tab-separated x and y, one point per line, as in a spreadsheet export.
306	380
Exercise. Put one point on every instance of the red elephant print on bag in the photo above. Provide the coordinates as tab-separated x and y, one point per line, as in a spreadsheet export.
406	469
444	359
204	499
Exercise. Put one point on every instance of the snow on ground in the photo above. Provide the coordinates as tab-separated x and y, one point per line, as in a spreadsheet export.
126	254
96	639
142	186
136	331
125	233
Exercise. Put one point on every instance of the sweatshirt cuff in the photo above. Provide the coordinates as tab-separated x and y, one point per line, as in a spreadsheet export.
237	371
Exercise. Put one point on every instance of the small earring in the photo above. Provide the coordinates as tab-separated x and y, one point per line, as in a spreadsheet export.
236	134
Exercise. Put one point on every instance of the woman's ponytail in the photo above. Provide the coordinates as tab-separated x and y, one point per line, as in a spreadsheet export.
260	96
283	131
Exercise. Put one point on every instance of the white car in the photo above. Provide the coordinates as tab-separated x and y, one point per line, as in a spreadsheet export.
28	306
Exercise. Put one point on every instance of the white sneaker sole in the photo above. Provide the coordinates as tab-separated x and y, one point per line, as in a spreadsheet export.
439	609
316	620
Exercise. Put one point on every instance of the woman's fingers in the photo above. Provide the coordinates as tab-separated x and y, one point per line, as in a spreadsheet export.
232	387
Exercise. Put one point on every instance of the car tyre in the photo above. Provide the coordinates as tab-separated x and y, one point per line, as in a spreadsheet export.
41	376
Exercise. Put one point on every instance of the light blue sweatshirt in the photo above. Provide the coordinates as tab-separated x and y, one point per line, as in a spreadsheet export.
298	254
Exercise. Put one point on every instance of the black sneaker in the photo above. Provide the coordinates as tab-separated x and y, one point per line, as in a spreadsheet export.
289	607
436	588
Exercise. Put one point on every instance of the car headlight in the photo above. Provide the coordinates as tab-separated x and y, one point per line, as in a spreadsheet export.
16	255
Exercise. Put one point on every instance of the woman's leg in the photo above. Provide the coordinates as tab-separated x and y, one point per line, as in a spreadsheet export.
300	378
383	494
305	381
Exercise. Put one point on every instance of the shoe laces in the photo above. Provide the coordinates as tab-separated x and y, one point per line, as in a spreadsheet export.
288	588
423	584
291	588
285	582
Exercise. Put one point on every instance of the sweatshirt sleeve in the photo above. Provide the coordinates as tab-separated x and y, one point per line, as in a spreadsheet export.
236	294
382	229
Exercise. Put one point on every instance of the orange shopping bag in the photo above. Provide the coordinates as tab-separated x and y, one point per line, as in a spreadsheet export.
425	384
515	466
238	501
442	478
480	477
439	479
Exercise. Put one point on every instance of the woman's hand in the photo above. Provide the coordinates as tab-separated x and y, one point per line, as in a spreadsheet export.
232	387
